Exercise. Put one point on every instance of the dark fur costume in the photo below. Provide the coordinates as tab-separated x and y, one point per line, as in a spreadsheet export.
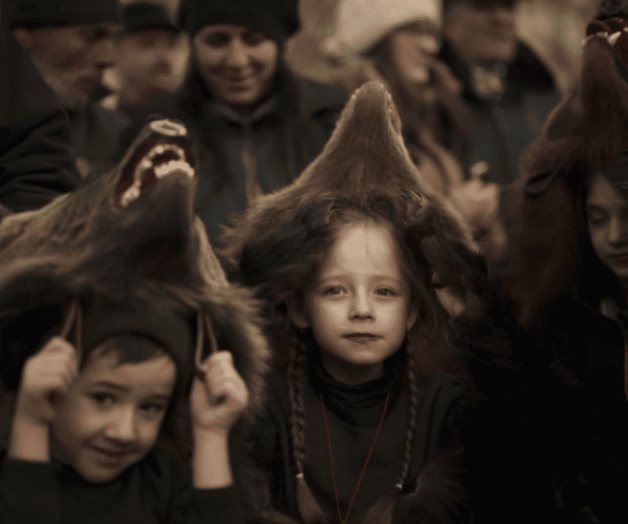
558	283
364	168
152	254
585	134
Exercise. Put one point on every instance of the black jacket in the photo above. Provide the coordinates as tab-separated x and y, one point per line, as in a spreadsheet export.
434	489
283	134
36	163
501	128
155	490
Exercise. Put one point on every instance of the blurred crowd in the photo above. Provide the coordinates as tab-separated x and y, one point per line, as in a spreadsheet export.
495	112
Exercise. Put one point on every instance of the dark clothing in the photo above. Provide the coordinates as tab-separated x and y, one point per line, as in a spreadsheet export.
353	414
502	127
96	135
282	135
156	490
36	164
586	413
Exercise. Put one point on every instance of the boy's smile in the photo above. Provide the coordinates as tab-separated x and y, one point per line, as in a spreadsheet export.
112	415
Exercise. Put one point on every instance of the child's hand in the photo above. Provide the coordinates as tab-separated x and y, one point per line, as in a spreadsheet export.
219	398
46	378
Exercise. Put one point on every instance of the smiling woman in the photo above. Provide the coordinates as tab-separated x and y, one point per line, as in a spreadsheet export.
255	124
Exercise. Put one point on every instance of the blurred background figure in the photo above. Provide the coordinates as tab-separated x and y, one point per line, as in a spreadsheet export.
36	164
71	43
396	41
507	88
152	57
256	124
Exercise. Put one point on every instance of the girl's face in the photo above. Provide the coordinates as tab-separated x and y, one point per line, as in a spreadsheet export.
412	49
607	217
111	417
358	305
237	64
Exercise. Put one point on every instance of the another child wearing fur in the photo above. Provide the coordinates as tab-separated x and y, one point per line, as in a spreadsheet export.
84	440
359	429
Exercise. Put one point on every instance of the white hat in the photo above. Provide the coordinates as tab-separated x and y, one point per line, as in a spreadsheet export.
360	24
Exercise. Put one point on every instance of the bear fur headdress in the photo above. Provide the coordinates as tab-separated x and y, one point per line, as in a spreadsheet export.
127	252
365	166
586	134
366	171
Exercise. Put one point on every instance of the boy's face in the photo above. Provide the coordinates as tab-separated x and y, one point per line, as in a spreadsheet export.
111	417
358	306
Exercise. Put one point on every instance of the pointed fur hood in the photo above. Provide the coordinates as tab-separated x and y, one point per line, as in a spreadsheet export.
364	167
587	133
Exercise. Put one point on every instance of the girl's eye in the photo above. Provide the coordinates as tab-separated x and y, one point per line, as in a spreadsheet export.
332	291
102	398
386	292
597	217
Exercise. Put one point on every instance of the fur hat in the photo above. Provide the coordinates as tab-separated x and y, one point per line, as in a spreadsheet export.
360	24
128	247
365	166
364	169
584	135
40	13
278	19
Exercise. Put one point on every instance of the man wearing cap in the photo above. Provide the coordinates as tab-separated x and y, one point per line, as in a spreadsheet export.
151	58
71	42
256	124
36	164
508	90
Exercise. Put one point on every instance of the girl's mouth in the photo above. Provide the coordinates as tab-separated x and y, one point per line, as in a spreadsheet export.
362	338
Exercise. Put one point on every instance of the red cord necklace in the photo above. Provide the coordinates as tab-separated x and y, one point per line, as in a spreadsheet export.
332	462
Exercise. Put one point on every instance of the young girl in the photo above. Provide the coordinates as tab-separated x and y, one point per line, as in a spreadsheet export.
84	442
358	428
568	271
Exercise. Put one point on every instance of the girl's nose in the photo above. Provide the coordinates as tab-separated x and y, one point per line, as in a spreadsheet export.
617	231
361	307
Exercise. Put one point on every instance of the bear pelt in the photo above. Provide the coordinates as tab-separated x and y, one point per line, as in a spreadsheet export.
127	237
585	134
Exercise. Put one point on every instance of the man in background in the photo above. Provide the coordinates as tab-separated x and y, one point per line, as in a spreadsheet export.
72	44
507	88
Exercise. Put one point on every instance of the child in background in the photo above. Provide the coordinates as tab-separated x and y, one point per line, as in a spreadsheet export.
84	439
361	427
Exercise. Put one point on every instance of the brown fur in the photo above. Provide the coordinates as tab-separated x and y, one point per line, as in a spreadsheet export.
364	172
84	245
586	133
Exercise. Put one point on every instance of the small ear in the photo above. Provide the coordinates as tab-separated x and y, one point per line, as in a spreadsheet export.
297	312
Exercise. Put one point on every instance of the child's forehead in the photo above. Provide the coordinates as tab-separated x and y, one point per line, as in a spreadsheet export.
158	372
361	246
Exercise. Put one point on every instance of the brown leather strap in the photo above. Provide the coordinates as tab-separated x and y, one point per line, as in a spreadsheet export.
72	329
204	332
